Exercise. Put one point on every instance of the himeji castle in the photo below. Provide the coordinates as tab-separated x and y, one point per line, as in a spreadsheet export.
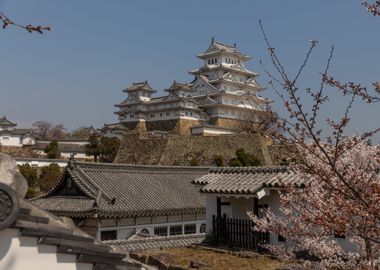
223	95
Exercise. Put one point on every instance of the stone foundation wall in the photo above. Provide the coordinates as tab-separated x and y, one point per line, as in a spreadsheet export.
131	125
162	125
181	150
230	123
184	126
175	126
138	150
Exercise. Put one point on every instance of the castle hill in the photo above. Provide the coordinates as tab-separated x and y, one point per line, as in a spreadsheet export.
189	135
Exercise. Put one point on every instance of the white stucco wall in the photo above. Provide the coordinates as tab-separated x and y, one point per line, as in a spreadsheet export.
42	162
210	210
124	232
23	253
10	140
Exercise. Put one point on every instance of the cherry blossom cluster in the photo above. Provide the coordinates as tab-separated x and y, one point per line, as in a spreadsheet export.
373	8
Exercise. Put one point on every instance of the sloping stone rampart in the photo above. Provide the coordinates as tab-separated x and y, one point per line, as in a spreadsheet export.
181	150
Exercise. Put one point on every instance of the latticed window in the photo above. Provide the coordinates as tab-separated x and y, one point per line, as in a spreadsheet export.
176	230
161	231
190	228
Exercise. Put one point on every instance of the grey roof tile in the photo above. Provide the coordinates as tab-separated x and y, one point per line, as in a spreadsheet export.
157	242
246	180
116	190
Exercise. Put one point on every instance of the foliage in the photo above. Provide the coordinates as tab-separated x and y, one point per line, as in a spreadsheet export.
52	150
108	149
341	175
41	181
244	159
56	132
104	148
40	129
47	131
49	177
219	160
194	162
30	174
93	147
82	133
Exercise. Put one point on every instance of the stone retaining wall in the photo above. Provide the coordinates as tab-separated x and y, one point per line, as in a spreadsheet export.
180	150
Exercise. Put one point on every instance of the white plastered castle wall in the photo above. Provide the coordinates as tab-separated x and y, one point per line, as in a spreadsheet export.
17	252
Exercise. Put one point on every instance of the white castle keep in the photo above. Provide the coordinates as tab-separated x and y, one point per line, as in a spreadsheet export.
222	96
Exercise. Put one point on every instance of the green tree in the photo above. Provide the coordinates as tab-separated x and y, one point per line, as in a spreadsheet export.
244	159
93	147
49	177
52	150
108	149
218	161
194	162
31	175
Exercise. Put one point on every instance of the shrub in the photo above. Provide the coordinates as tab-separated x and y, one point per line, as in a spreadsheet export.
52	150
218	161
194	162
50	175
244	159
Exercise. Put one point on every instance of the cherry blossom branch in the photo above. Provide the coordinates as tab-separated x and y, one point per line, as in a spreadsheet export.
373	8
30	28
344	192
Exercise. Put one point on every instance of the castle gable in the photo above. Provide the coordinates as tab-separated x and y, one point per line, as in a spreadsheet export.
202	86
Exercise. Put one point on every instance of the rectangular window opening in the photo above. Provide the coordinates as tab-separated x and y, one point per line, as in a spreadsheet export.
161	231
175	229
108	235
190	228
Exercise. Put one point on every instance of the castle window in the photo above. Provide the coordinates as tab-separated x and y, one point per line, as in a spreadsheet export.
209	62
186	113
131	116
162	231
190	228
168	113
160	114
108	235
152	115
175	229
216	60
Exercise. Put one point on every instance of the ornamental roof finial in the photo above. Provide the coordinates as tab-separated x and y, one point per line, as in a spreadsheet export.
212	39
235	46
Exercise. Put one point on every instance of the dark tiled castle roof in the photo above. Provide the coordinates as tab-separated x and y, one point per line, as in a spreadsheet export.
6	123
246	180
113	190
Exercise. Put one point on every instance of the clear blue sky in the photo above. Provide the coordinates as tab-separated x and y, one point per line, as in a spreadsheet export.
75	74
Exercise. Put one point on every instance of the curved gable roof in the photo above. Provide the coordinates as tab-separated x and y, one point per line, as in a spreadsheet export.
116	190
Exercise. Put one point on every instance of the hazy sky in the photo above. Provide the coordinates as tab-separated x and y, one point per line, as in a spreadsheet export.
75	74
